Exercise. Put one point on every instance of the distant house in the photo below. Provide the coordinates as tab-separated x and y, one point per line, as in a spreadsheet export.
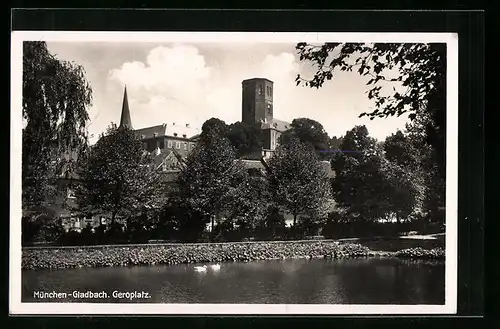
162	138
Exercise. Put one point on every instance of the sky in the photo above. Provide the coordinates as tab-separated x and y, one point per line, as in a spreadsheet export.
188	83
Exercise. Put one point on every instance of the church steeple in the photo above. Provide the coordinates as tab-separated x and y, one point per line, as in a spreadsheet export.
125	120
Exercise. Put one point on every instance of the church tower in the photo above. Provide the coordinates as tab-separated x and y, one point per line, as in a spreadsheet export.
257	100
125	120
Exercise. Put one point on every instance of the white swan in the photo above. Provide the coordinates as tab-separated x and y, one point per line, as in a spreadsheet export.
200	268
215	267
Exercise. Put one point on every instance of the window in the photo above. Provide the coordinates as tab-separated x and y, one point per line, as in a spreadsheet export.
155	134
269	109
178	145
164	166
175	134
71	194
185	146
260	89
271	91
169	144
184	135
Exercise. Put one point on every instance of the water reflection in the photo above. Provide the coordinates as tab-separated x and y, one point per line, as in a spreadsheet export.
298	281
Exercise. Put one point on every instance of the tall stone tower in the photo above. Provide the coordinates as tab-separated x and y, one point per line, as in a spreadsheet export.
257	100
125	120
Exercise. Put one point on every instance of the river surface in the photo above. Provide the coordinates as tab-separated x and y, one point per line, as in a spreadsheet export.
296	281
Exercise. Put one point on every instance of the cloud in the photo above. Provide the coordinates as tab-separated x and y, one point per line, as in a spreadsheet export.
166	69
177	83
189	84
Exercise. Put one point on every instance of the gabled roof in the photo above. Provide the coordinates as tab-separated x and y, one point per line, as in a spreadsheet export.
276	124
153	131
172	130
173	159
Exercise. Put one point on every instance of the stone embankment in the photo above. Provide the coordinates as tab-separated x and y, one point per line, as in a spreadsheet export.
126	255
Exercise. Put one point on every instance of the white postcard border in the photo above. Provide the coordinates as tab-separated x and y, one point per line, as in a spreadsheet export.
451	283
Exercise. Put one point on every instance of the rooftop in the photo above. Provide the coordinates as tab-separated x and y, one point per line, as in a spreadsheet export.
176	130
257	164
253	79
276	124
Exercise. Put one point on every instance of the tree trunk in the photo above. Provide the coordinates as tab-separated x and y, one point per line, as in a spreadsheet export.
113	215
294	220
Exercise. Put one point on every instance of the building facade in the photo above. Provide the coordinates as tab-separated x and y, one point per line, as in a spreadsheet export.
257	107
162	138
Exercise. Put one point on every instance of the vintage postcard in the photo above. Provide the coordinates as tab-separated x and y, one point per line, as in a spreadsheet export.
233	173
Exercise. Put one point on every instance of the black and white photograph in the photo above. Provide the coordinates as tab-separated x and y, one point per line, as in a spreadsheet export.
233	173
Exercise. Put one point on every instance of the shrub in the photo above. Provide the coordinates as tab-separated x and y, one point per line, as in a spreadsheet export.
41	229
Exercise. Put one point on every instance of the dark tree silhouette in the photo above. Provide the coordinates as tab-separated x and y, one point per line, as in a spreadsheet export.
56	96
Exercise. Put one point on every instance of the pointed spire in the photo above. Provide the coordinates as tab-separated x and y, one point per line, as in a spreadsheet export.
125	120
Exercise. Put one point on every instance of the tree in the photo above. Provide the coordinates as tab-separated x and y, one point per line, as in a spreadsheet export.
399	149
310	132
215	125
245	138
206	183
119	177
418	69
298	182
407	173
334	143
360	184
56	96
250	202
434	182
376	179
404	190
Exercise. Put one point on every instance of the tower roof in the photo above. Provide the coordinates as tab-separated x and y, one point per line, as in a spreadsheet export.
125	120
255	79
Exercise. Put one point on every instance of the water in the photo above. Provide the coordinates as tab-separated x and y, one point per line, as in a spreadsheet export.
297	281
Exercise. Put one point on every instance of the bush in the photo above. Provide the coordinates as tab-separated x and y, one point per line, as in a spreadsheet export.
42	229
273	227
341	225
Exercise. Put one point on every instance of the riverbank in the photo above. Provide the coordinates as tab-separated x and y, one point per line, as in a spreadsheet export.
170	254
